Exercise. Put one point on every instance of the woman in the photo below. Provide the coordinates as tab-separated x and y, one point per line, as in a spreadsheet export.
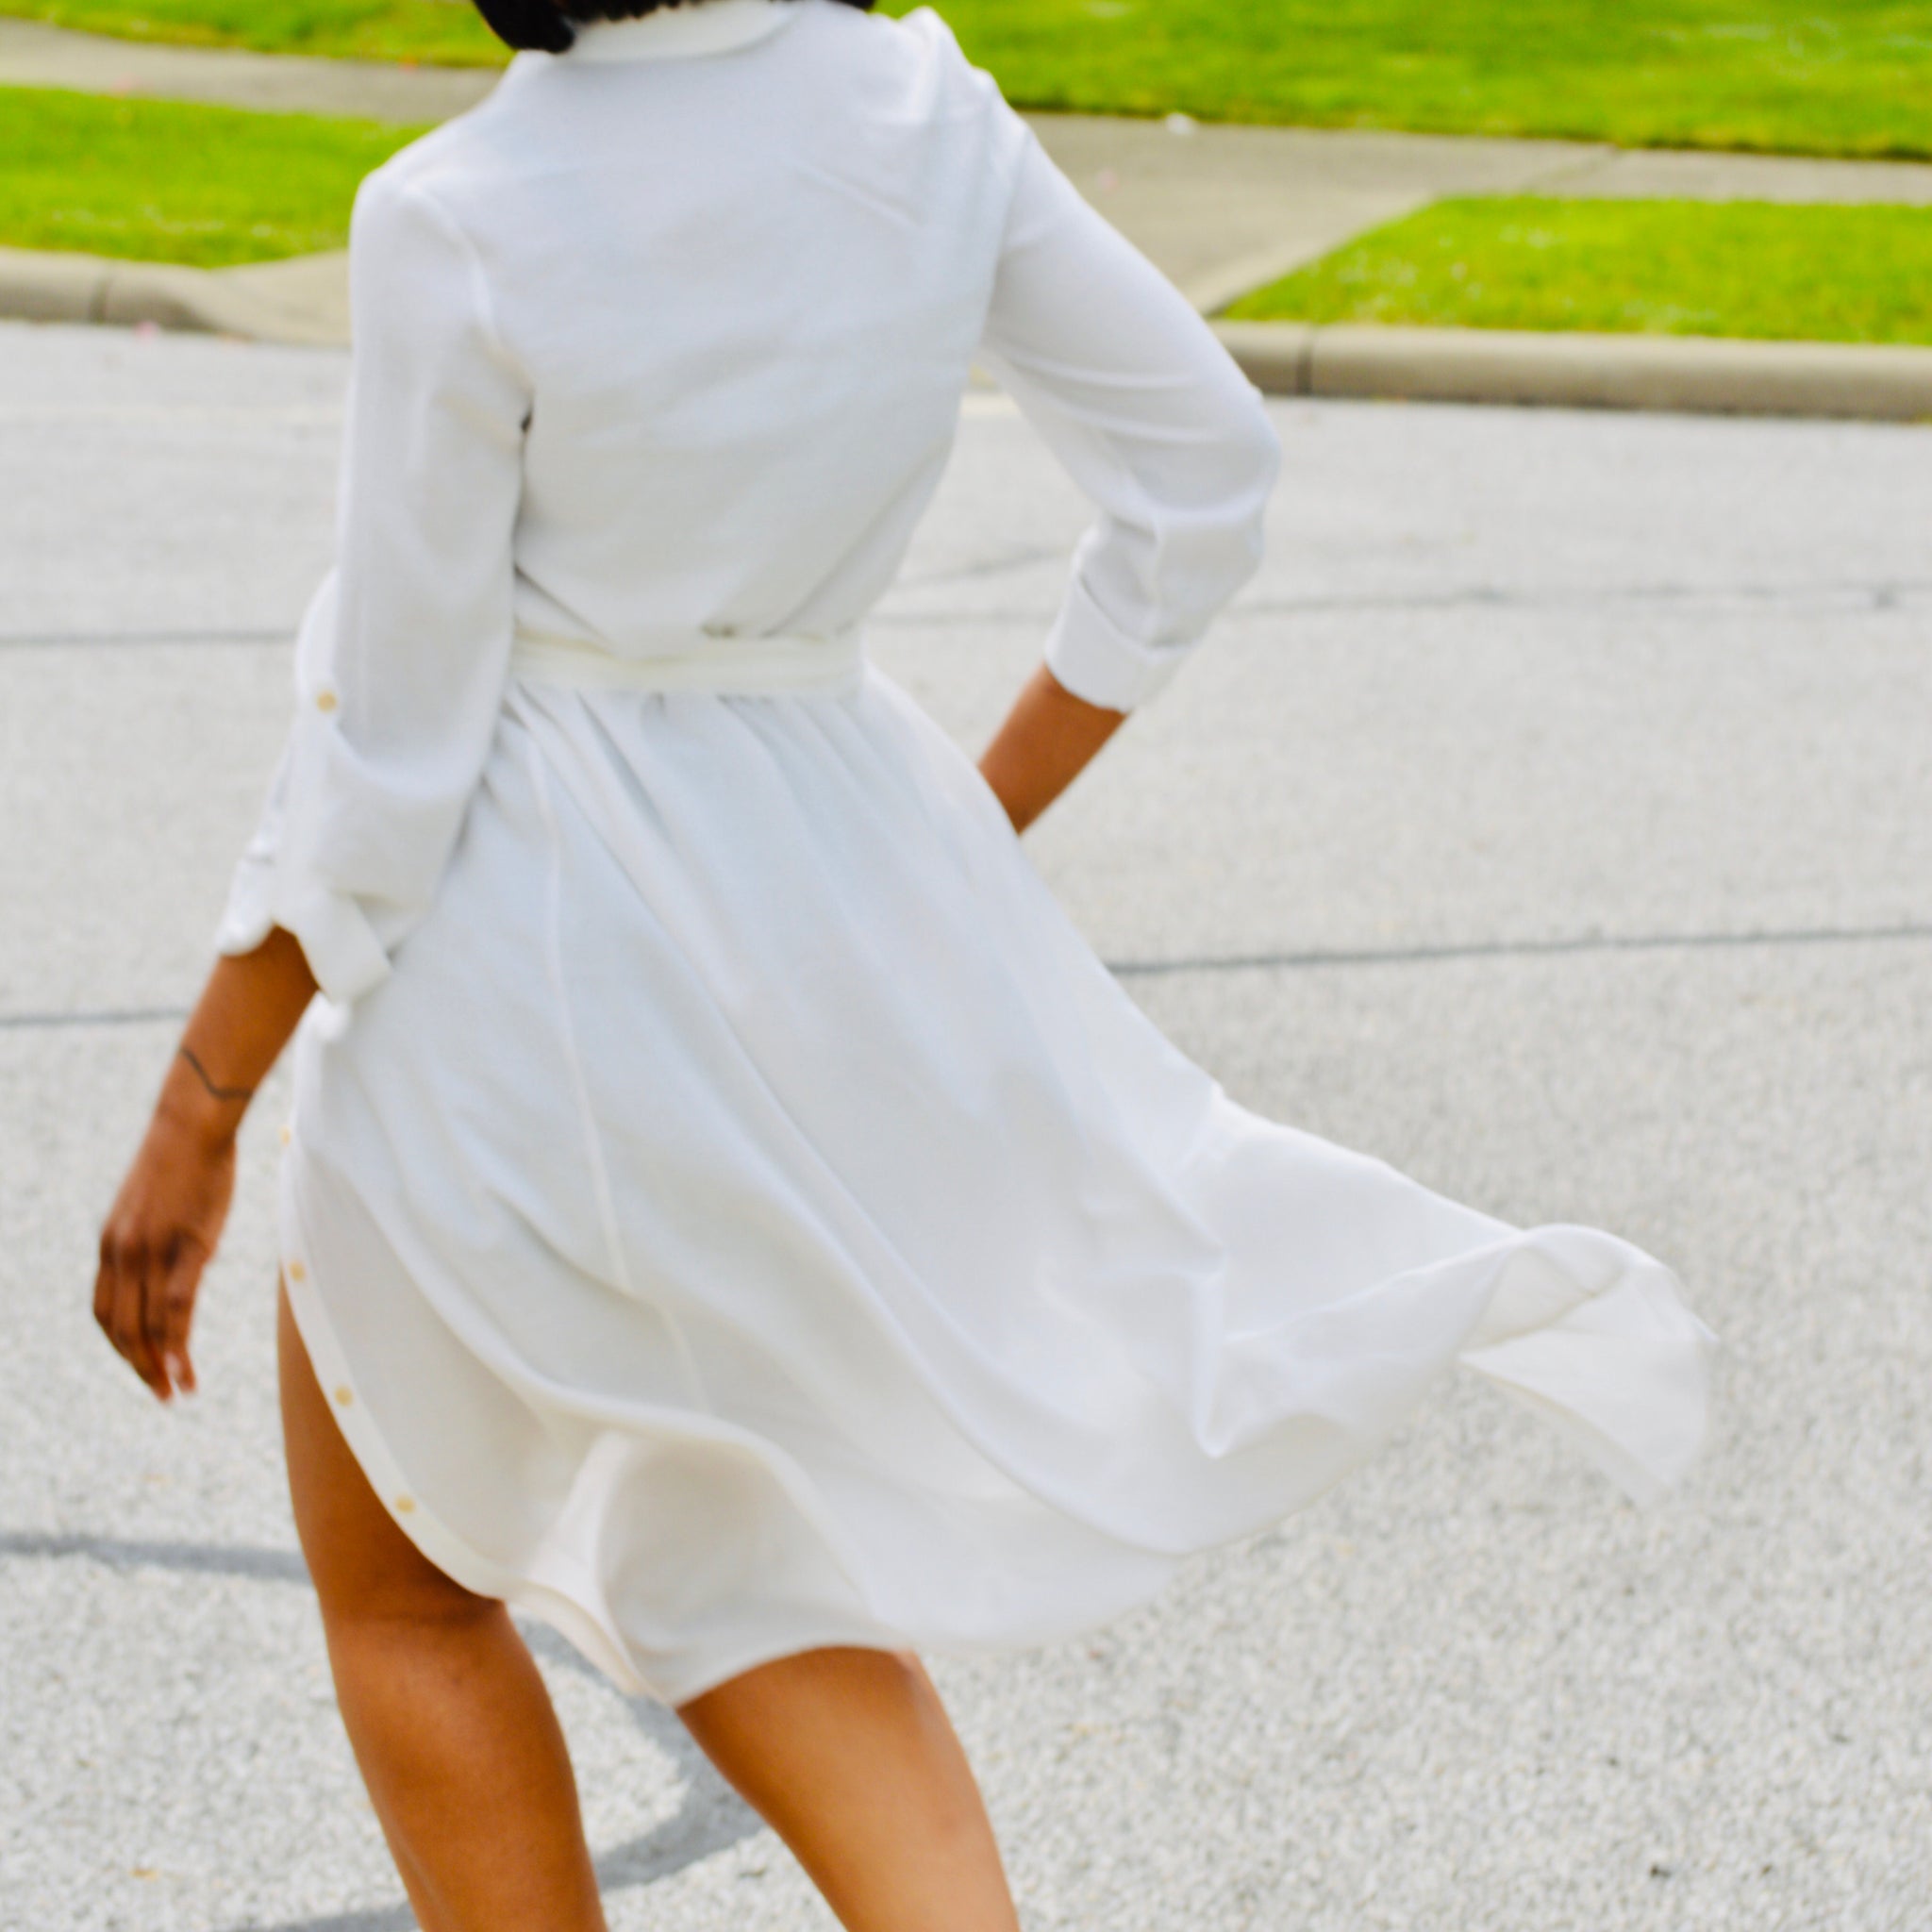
728	1212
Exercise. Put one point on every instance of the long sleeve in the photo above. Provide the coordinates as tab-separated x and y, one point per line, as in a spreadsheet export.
402	655
1150	416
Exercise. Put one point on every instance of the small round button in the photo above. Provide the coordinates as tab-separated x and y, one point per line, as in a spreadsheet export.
404	1504
297	1271
288	1134
344	1395
325	700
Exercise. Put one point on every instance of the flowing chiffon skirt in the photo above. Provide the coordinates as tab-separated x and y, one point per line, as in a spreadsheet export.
749	1217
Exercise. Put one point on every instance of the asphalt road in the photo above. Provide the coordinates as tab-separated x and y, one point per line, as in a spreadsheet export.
1554	817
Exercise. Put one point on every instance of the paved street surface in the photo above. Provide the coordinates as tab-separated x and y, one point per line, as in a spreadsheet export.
1553	817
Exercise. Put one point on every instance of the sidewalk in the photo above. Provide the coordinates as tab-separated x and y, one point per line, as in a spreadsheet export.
33	54
1219	208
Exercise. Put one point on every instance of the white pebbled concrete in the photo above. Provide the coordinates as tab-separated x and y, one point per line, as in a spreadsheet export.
1551	817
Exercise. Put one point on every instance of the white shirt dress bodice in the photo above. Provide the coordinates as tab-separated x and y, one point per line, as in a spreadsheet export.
729	1206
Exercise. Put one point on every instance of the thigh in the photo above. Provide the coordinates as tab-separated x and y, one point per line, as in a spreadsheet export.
360	1562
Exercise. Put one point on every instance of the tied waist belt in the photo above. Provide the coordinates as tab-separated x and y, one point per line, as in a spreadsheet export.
724	666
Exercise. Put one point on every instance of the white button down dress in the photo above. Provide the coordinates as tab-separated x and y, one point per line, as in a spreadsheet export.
730	1208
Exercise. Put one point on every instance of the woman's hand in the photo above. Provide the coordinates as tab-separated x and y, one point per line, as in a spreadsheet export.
168	1216
163	1229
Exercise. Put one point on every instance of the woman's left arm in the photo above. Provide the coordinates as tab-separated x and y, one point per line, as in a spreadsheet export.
405	651
167	1219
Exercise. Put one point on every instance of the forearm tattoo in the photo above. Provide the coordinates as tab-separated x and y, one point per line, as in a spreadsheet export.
216	1092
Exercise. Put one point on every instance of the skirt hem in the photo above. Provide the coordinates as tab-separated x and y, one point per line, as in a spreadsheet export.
468	1567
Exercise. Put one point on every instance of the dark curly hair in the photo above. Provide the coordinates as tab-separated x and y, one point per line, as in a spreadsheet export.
551	25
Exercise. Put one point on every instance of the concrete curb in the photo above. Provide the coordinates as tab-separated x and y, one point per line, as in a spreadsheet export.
1693	373
301	301
305	301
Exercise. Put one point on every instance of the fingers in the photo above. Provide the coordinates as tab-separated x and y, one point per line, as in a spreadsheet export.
104	1289
126	1322
153	1322
122	1306
158	1236
177	1290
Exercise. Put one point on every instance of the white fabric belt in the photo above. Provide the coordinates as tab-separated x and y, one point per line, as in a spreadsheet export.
724	666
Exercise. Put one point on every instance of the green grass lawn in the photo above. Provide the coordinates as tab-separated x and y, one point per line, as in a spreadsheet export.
136	178
1847	274
160	181
1852	76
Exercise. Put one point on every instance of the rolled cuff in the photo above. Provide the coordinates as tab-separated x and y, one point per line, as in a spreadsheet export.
341	946
249	916
1097	661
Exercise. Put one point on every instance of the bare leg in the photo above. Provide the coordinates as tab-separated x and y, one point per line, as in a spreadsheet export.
849	1755
450	1721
